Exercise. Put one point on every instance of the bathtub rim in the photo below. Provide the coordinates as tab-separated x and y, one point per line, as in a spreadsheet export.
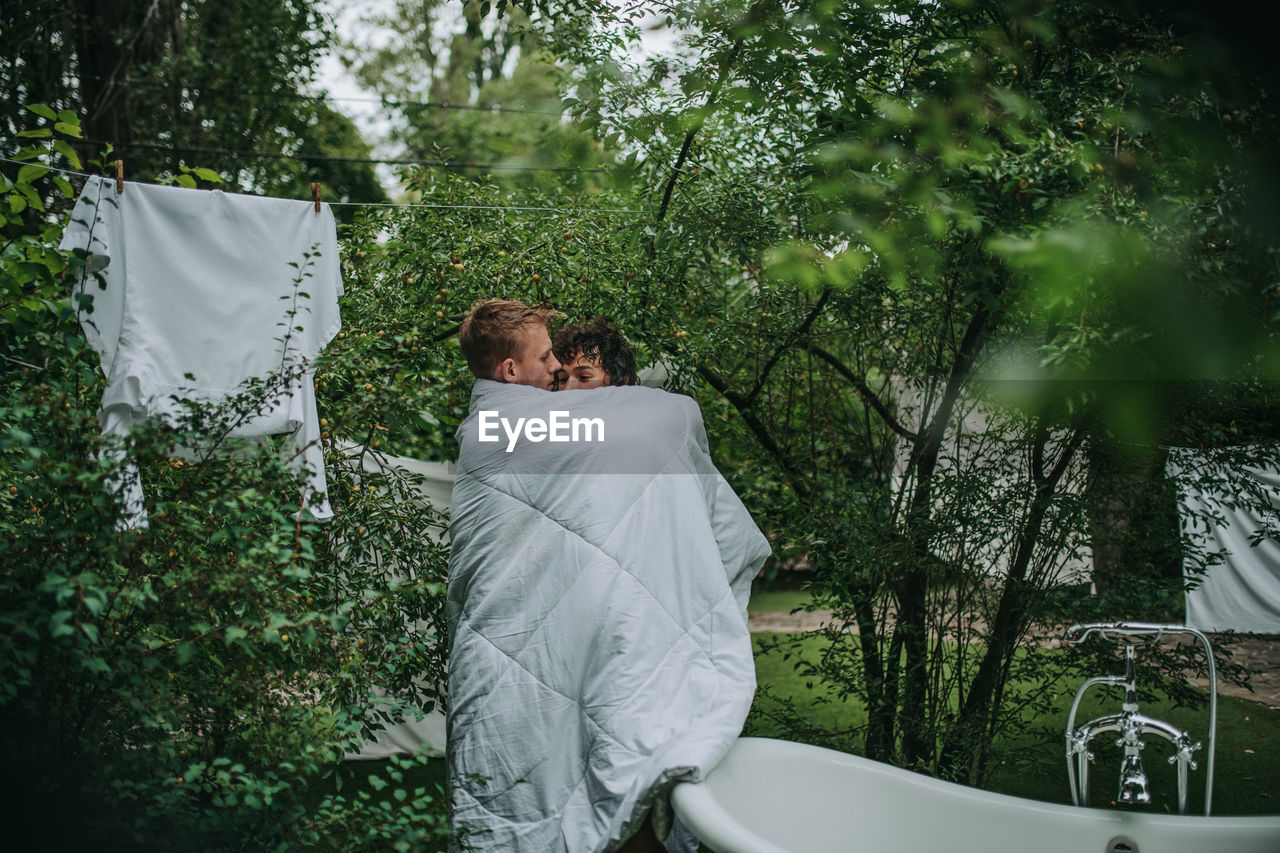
701	811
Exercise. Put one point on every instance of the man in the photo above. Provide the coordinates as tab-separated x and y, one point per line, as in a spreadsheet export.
598	583
508	342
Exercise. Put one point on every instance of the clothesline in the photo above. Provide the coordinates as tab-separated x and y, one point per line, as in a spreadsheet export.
335	158
484	207
389	102
490	207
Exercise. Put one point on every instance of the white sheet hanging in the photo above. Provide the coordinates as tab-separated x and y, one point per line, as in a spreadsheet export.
1243	592
194	293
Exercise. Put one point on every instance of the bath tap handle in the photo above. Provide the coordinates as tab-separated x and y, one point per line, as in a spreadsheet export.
1185	749
1131	724
1134	633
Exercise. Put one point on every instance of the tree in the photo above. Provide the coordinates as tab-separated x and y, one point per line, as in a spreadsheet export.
882	219
192	684
480	91
183	83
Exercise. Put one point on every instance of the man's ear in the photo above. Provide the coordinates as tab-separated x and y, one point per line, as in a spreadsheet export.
507	370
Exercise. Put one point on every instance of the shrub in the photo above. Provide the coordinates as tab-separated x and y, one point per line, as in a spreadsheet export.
187	685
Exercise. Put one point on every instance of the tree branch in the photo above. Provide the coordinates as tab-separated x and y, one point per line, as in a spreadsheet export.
693	131
1010	615
758	428
864	390
801	331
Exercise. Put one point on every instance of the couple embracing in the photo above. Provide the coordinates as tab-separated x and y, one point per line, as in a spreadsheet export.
508	341
598	584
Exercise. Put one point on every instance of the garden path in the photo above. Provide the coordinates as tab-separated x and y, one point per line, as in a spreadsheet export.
1261	654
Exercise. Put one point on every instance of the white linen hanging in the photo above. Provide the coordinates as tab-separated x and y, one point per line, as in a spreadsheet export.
195	292
1242	592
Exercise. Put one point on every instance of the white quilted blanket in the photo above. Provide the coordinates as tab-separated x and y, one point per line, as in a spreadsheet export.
597	603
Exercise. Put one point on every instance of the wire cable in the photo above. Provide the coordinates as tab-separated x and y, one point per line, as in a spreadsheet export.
388	102
333	158
489	207
46	166
485	207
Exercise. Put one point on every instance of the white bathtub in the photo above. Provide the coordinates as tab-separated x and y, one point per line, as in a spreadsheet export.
773	796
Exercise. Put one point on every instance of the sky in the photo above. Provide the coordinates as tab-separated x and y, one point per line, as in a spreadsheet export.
350	97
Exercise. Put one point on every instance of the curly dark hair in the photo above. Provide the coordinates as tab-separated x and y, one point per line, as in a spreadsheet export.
601	342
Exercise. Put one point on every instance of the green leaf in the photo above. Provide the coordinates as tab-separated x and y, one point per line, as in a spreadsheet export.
185	181
208	175
96	664
38	133
17	203
32	197
60	624
67	129
42	111
27	174
65	149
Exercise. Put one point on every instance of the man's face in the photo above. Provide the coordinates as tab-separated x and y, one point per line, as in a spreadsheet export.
533	363
586	373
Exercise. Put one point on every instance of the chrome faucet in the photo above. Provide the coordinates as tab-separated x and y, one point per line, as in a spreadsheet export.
1133	780
1130	724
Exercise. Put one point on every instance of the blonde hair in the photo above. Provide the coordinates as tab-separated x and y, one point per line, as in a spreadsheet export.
490	333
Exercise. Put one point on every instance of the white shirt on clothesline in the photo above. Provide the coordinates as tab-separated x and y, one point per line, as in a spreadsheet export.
194	293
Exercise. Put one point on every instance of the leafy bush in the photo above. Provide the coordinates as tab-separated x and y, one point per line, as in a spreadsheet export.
187	685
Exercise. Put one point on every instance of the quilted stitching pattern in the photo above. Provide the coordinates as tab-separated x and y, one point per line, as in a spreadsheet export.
598	647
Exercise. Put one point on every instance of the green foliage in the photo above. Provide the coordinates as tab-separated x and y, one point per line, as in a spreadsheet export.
34	305
908	251
175	83
187	685
395	811
478	90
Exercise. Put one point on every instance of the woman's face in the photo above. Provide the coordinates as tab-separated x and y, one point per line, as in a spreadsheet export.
585	373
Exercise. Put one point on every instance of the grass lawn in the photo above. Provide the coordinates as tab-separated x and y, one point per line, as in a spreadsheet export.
1246	776
778	601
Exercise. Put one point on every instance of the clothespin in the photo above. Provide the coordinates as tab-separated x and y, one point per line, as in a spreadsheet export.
119	176
315	196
